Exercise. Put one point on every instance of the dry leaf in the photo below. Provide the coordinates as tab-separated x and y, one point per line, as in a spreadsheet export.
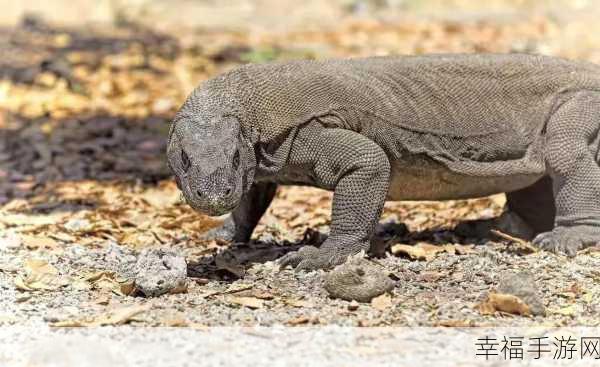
503	303
161	198
299	303
256	293
139	239
106	280
382	302
39	275
455	323
39	242
565	311
464	249
420	251
177	319
250	302
298	320
119	316
30	220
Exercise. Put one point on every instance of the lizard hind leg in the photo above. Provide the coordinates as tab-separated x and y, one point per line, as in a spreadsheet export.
527	213
534	205
570	150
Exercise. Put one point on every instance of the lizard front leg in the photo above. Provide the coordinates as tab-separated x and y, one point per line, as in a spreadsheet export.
358	171
571	148
240	224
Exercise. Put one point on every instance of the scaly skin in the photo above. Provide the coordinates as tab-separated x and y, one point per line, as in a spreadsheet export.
398	128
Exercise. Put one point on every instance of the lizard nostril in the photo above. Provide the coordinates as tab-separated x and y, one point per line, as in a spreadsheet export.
228	191
199	193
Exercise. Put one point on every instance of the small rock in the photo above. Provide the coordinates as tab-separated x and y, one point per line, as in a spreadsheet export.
160	271
353	306
522	285
358	279
120	260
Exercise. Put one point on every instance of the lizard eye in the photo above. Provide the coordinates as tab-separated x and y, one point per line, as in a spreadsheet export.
236	160
185	160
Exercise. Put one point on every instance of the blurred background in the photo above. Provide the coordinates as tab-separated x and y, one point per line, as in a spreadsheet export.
88	87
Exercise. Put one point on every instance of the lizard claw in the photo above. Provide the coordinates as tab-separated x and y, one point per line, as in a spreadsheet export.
308	258
299	259
292	259
567	240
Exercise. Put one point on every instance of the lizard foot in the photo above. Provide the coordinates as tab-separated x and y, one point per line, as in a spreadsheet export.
310	258
568	240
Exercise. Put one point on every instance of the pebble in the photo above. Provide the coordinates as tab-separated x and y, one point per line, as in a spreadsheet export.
358	279
353	306
160	271
522	284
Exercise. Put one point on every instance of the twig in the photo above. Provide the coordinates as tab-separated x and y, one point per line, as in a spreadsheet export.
525	244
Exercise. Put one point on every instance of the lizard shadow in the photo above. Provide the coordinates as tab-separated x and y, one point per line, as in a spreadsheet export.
50	160
40	147
233	261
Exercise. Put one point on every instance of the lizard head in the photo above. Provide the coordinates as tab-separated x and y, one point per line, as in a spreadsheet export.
212	161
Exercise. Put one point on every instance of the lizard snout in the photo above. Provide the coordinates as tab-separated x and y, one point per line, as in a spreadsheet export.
213	196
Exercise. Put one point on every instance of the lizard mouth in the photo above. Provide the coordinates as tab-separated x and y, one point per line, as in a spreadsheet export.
212	210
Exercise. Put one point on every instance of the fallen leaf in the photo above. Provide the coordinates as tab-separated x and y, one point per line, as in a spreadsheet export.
503	303
161	198
139	239
298	320
300	303
30	220
250	302
119	316
420	251
39	275
464	249
382	302
230	290
256	293
39	242
565	311
455	323
105	280
177	319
